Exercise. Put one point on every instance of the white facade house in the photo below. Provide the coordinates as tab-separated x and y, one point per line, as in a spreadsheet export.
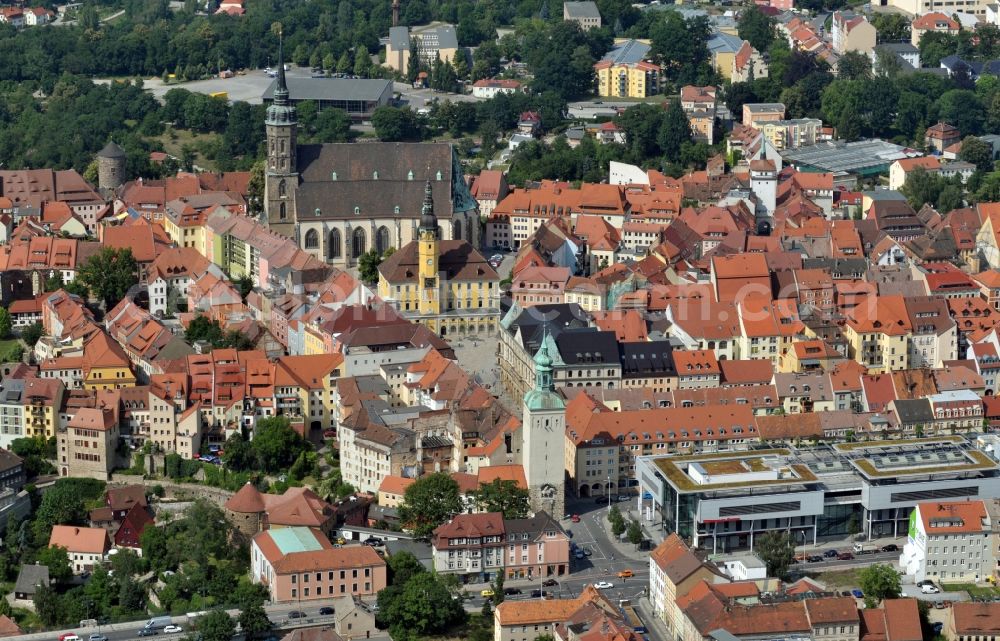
949	542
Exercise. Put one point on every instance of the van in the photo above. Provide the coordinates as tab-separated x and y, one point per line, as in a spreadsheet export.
159	622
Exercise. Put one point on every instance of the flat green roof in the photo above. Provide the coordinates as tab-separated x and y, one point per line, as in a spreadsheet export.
295	539
673	470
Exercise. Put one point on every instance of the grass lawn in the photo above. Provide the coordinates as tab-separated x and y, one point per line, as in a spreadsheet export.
976	591
173	139
840	579
6	347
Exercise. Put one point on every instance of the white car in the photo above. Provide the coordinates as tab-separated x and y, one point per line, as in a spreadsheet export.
929	589
172	629
604	585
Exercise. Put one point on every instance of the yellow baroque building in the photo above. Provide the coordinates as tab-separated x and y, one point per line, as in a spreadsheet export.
445	285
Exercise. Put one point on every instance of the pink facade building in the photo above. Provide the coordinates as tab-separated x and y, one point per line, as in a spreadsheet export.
481	545
300	564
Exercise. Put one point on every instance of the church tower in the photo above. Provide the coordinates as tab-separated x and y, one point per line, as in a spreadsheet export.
428	247
281	179
544	437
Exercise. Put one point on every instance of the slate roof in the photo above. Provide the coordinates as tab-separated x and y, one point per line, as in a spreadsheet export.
354	89
30	577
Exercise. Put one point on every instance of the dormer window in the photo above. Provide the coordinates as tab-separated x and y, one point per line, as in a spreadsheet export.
409	175
375	175
333	175
357	210
395	209
439	175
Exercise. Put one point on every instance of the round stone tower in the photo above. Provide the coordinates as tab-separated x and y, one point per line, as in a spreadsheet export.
110	167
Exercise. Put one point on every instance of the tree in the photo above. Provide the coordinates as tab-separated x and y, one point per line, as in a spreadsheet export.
252	618
757	28
402	566
879	581
47	605
429	502
963	109
413	62
854	66
217	625
424	607
277	444
497	587
332	125
853	527
777	551
109	274
977	152
368	265
504	497
5	323
32	333
634	532
56	558
239	454
891	27
362	63
393	124
674	132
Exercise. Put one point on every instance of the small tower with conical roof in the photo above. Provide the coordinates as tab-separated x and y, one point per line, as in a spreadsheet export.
543	431
281	178
110	168
428	252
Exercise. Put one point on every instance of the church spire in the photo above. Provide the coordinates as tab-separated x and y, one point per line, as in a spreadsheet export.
428	220
281	91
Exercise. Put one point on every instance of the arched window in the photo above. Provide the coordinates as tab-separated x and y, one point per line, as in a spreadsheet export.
456	230
282	213
333	248
312	239
381	240
358	244
281	146
282	190
439	175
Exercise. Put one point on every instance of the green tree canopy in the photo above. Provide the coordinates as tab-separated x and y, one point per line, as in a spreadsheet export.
879	581
757	28
777	551
504	497
423	607
217	625
428	502
277	444
109	274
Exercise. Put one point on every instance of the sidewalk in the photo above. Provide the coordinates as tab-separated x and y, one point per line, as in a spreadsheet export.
655	627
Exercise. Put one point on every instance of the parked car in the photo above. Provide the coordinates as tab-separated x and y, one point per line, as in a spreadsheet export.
937	627
815	558
511	591
580	555
831	554
539	594
601	500
575	518
626	574
296	614
857	594
924	582
487	593
623	497
69	636
173	629
326	611
929	589
98	637
845	556
892	547
144	632
549	583
604	585
587	551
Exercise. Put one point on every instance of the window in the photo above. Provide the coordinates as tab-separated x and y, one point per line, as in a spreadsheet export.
282	189
312	239
282	213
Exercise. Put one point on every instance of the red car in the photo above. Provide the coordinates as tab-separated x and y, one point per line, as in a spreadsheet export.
575	518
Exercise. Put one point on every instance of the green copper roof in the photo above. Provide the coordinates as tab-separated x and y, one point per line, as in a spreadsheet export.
295	539
539	400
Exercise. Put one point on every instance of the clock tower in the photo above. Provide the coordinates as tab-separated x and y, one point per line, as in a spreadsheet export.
281	178
428	247
544	437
